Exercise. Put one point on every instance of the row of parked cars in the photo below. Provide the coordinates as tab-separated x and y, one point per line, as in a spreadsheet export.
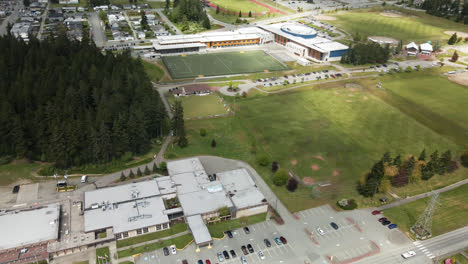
384	221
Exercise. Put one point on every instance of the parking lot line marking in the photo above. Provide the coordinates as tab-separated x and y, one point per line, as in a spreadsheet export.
419	246
424	250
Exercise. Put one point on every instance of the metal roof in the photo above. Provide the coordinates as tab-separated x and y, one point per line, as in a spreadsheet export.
21	228
241	188
200	232
184	165
203	201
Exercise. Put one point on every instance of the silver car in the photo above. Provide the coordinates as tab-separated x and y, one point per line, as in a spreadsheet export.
243	260
220	257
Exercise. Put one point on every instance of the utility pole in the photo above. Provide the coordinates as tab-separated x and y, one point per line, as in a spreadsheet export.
423	227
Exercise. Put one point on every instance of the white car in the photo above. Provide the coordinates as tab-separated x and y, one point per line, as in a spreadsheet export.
243	260
261	255
173	249
408	254
320	231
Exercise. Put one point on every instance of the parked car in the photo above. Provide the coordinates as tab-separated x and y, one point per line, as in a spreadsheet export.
207	261
267	242
173	249
233	253
220	257
375	212
261	255
229	234
320	231
250	248
246	229
278	241
386	222
184	261
334	225
283	240
331	75
382	219
244	250
226	254
200	261
16	189
408	254
392	226
166	251
243	260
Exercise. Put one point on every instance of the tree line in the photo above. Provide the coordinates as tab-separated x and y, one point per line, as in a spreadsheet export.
66	102
447	8
187	11
363	53
393	171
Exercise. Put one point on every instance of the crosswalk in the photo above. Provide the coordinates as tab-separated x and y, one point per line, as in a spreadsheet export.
423	249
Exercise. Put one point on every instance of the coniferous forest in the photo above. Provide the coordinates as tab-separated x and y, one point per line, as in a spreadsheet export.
66	102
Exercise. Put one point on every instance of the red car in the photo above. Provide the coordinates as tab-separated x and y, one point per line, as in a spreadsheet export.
376	212
283	240
207	261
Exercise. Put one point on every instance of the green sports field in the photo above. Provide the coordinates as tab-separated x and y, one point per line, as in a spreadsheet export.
220	64
201	106
408	27
239	5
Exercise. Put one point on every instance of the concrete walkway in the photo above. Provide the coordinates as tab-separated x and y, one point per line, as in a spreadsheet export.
422	195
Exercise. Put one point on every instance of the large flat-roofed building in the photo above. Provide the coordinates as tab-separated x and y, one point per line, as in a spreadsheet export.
130	209
24	235
303	41
210	40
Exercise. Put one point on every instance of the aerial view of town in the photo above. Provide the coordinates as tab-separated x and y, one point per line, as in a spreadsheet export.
234	131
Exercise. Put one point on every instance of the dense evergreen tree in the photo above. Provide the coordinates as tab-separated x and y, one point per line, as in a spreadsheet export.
155	168
188	10
65	102
147	171
363	53
443	8
422	156
453	39
178	126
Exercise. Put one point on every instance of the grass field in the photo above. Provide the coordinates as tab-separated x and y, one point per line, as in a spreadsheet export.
432	100
420	28
459	258
200	106
175	229
180	242
15	171
341	132
155	73
217	230
220	64
450	215
239	5
102	252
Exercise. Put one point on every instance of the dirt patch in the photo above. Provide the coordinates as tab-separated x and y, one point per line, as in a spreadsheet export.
383	40
349	101
459	34
350	95
337	93
390	14
315	167
320	157
336	173
366	98
352	90
21	161
293	162
460	78
308	181
324	17
353	85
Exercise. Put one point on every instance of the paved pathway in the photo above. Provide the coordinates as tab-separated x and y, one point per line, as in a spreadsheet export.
168	22
423	195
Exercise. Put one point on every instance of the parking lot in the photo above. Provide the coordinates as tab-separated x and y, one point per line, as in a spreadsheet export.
275	254
299	78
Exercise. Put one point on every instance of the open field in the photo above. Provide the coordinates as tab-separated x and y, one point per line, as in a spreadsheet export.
239	5
155	73
459	258
432	100
200	106
16	171
220	64
328	134
420	28
450	215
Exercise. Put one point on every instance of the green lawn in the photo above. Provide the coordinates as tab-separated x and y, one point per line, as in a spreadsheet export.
459	258
417	27
180	242
201	106
217	230
102	252
155	73
126	262
220	64
338	132
15	171
82	262
239	5
450	215
433	100
175	229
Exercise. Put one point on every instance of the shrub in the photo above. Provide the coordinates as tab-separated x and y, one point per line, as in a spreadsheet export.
122	176
292	184
131	175
464	159
213	143
280	177
202	132
274	166
139	172
347	204
155	168
163	166
262	160
146	171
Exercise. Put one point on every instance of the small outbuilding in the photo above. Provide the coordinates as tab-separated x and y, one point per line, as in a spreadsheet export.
426	48
412	49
